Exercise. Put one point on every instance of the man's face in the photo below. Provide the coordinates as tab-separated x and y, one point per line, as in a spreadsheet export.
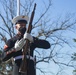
20	25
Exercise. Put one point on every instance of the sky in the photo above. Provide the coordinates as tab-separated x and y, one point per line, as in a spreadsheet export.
64	6
60	7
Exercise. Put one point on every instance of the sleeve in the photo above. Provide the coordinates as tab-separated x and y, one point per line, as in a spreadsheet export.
9	44
7	54
39	43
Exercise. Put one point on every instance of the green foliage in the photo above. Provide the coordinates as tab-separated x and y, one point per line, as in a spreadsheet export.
74	40
0	51
73	57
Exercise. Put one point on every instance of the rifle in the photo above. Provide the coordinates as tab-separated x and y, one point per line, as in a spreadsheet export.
23	67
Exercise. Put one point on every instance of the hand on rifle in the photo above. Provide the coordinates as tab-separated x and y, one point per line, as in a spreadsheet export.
28	36
20	43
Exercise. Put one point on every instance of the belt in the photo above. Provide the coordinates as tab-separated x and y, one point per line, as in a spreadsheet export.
21	56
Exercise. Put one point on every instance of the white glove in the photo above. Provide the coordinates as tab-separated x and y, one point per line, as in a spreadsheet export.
28	36
19	44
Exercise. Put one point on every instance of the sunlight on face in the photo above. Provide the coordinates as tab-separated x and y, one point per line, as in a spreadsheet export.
18	25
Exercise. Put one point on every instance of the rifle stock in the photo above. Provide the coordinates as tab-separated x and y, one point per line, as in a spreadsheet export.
23	67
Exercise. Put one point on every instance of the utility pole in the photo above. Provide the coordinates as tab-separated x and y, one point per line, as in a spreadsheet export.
18	7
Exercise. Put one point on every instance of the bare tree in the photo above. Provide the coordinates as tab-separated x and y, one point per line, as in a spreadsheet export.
43	27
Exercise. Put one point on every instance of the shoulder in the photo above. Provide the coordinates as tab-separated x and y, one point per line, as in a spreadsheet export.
11	41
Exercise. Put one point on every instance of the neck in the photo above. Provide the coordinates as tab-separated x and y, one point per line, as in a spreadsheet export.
19	34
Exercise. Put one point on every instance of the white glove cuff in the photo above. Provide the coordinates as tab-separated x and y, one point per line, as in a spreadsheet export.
28	36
